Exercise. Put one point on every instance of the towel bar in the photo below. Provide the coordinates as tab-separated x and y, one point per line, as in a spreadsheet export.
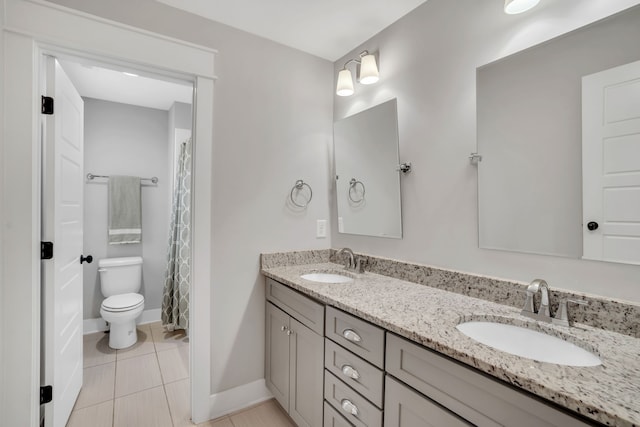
153	179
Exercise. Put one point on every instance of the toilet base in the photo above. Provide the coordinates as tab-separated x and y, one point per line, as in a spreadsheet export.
123	335
122	331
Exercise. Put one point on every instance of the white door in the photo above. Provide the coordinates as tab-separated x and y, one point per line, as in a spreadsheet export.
62	181
611	164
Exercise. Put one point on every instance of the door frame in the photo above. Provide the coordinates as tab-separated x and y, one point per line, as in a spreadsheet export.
30	29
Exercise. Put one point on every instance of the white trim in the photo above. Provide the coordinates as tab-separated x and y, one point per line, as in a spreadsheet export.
59	25
30	28
149	316
20	305
90	326
202	249
237	398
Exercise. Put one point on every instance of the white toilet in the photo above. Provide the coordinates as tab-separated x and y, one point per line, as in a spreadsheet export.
120	280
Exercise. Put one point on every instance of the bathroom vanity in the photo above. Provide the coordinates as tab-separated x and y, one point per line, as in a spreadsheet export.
387	352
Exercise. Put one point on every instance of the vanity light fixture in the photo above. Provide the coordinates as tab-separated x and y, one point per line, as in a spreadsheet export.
512	7
368	74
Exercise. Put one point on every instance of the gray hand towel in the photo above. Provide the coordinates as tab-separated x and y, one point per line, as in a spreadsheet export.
125	211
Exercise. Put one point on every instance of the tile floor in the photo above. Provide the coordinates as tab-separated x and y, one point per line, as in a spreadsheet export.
148	385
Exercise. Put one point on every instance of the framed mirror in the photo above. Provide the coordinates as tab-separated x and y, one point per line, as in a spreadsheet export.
367	175
536	122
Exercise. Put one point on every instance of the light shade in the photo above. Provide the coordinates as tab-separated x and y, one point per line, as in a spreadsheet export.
513	7
345	83
368	70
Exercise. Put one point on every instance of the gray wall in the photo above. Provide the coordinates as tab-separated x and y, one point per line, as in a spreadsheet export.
272	127
124	139
428	61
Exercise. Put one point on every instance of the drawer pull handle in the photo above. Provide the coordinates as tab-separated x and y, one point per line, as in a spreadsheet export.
349	407
351	335
350	372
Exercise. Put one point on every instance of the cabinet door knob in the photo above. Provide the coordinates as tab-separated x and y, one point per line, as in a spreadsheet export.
289	332
592	226
283	328
349	407
351	335
350	372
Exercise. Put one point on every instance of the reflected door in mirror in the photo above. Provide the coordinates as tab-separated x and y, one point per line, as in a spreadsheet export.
611	164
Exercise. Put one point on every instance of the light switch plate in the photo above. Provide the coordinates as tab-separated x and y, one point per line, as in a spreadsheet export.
321	229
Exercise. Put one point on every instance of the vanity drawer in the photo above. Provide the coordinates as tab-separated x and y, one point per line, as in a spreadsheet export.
358	336
302	308
481	400
355	408
332	418
404	407
346	365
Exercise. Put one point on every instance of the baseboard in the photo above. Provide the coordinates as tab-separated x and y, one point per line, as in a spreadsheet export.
90	326
149	316
237	398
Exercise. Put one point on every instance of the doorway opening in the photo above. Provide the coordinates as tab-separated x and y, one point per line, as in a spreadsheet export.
133	123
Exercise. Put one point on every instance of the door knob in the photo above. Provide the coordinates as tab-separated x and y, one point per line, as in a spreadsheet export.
592	226
88	259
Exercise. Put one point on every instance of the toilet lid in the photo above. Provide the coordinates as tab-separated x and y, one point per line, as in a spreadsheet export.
122	302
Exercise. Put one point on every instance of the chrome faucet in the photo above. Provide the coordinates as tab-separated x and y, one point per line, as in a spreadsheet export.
543	313
354	262
351	261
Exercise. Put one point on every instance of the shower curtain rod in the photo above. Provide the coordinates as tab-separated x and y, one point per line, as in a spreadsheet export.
153	179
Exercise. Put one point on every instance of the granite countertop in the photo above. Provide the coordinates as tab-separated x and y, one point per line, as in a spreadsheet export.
609	394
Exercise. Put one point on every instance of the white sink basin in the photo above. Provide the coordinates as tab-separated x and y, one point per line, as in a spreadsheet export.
327	278
528	343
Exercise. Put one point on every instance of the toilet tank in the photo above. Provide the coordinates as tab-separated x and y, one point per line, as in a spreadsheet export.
120	275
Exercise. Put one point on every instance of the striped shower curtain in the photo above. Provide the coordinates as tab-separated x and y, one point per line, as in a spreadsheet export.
175	298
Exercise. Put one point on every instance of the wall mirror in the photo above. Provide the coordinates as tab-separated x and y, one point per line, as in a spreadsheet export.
367	175
534	194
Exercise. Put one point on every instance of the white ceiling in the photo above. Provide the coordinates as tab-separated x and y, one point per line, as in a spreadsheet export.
325	28
113	85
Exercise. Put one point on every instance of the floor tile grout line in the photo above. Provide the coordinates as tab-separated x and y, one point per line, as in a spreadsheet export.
139	391
116	361
164	388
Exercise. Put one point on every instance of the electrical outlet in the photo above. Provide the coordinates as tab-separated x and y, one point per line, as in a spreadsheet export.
321	228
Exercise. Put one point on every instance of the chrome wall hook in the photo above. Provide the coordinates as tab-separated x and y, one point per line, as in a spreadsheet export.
475	158
404	167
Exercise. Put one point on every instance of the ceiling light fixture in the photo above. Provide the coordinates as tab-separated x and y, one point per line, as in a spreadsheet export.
368	74
513	7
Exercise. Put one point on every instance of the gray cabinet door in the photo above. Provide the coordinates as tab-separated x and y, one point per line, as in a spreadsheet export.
305	381
277	354
407	408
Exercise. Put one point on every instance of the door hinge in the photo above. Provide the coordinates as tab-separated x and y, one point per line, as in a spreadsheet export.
46	394
46	250
47	105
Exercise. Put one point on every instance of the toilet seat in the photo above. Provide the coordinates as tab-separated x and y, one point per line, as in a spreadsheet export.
122	302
